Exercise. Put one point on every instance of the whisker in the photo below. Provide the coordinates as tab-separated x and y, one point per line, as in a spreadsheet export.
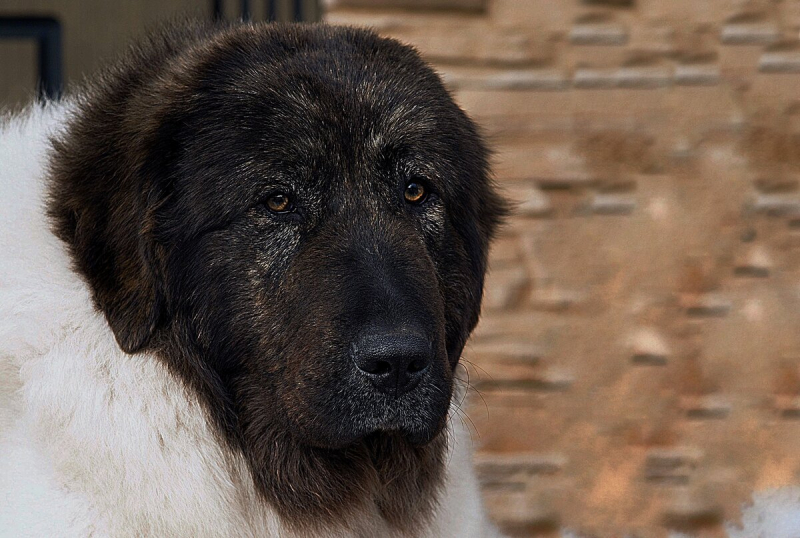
471	423
469	386
477	367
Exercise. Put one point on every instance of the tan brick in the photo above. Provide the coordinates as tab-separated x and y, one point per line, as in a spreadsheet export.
517	467
739	64
611	3
521	515
505	251
477	78
691	509
593	57
791	14
555	299
544	161
505	288
776	205
598	34
701	109
529	201
384	20
673	465
532	13
709	11
648	346
705	407
697	74
624	77
510	112
707	305
505	351
610	204
452	38
780	89
754	262
467	5
621	108
781	58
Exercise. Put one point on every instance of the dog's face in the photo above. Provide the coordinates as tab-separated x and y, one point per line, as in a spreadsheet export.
323	250
297	220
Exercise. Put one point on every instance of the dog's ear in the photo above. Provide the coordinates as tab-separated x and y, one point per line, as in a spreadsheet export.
110	235
105	197
111	175
465	289
481	211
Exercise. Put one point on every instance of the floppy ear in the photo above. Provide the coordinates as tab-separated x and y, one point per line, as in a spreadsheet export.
110	176
463	275
105	193
114	248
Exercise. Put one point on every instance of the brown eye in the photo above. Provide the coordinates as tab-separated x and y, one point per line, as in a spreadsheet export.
415	193
279	203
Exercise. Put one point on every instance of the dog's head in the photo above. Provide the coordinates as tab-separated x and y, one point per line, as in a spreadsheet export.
297	220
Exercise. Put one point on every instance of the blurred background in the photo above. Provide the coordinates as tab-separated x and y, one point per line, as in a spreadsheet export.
636	369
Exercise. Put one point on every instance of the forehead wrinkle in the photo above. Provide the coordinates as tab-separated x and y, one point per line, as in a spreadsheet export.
356	119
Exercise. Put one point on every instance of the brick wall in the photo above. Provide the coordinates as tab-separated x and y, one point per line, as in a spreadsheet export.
636	369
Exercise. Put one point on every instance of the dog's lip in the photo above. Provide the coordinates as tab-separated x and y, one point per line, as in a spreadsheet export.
417	436
417	417
421	438
414	438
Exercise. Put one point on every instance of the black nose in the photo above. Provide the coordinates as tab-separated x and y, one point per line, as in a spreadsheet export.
394	361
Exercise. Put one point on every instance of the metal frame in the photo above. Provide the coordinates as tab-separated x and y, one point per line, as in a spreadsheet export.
246	13
47	33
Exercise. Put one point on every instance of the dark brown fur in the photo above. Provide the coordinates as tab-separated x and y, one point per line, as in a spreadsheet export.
158	189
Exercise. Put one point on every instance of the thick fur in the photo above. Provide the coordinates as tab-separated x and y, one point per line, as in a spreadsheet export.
176	359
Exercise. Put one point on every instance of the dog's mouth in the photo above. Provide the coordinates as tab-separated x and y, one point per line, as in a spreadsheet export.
415	423
415	434
341	409
399	435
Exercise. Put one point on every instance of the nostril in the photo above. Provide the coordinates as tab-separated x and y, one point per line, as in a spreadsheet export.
376	367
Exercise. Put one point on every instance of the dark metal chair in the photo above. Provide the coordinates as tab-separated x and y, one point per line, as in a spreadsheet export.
297	13
47	33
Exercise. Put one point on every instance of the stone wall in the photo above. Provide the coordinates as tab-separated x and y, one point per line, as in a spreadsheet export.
636	369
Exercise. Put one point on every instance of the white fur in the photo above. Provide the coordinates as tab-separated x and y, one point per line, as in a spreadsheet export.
94	442
773	514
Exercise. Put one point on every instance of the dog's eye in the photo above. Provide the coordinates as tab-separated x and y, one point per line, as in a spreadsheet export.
279	202
415	192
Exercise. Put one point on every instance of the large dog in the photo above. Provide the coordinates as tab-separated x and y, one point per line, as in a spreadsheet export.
237	272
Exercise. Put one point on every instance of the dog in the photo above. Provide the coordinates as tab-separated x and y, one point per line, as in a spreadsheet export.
237	271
